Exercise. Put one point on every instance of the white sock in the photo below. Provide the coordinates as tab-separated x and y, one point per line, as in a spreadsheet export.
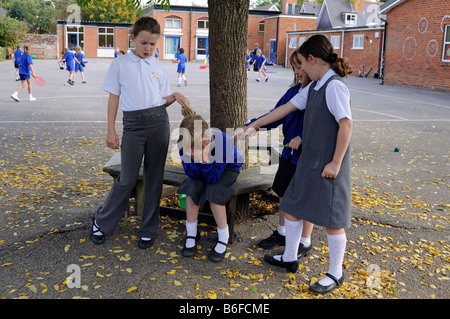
306	241
146	238
191	230
179	80
336	248
293	235
281	230
96	230
184	78
223	237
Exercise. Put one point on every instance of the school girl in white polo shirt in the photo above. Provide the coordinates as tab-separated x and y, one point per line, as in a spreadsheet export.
141	84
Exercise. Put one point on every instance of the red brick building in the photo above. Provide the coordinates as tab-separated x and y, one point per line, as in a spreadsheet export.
355	31
417	50
96	39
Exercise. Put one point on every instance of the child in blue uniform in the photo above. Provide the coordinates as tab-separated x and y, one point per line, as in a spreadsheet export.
17	54
79	57
212	164
181	70
293	133
261	61
25	72
69	59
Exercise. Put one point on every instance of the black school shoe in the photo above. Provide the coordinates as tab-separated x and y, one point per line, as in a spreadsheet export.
272	241
303	250
319	289
291	266
214	256
189	252
144	244
96	239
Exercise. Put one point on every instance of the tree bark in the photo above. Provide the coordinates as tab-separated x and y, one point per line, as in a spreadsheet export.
228	24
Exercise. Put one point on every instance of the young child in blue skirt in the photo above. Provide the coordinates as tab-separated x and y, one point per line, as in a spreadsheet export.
79	57
26	71
181	69
293	133
212	164
261	62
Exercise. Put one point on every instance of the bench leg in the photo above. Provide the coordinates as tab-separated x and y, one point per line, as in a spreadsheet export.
139	199
231	212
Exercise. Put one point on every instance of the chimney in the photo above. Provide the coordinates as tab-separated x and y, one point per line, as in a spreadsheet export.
287	4
358	5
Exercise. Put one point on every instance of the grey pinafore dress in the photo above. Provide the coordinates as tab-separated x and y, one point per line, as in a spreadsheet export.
321	201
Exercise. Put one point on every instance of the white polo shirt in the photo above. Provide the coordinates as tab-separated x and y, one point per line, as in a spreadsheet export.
337	95
141	83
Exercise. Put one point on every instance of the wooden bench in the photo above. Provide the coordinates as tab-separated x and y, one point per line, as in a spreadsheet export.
250	180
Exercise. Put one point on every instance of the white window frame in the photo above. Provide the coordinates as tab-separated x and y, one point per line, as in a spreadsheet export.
203	22
169	23
350	19
335	41
105	34
446	44
293	43
358	42
259	27
301	40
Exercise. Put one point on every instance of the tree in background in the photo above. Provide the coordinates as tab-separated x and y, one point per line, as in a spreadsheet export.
111	11
11	31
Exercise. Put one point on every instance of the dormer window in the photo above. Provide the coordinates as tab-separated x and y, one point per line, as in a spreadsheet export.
350	18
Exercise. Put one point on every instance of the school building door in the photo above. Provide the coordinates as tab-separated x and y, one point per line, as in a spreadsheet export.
202	48
273	51
171	46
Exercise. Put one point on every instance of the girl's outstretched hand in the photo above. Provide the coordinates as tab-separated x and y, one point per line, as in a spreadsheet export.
242	132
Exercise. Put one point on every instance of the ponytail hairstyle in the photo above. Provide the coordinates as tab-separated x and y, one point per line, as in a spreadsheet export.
320	47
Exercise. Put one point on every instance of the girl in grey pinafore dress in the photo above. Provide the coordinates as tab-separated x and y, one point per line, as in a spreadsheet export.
321	201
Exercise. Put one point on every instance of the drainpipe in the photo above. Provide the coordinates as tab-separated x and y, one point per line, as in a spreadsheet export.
383	50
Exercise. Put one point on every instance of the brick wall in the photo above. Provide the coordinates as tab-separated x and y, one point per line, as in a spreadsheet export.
359	59
414	42
43	46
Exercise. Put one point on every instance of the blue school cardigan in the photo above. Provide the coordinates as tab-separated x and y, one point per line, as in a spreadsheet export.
227	157
292	124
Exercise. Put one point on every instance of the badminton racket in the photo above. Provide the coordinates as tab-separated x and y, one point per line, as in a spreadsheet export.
39	80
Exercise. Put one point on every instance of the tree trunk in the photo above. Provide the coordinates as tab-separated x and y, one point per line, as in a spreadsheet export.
228	24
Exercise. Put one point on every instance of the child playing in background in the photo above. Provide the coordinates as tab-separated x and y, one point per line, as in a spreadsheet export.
181	70
16	55
69	59
25	72
212	164
261	61
79	57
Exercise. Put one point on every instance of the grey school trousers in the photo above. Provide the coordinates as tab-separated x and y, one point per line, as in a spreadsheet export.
145	134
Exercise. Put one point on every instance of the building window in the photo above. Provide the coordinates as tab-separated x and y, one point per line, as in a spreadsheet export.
105	37
293	43
350	18
358	42
335	41
446	46
301	40
203	24
261	27
173	23
75	37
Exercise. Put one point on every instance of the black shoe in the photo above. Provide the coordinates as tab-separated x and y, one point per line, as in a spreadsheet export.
97	239
214	256
273	240
189	252
144	244
319	289
291	266
303	250
267	79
